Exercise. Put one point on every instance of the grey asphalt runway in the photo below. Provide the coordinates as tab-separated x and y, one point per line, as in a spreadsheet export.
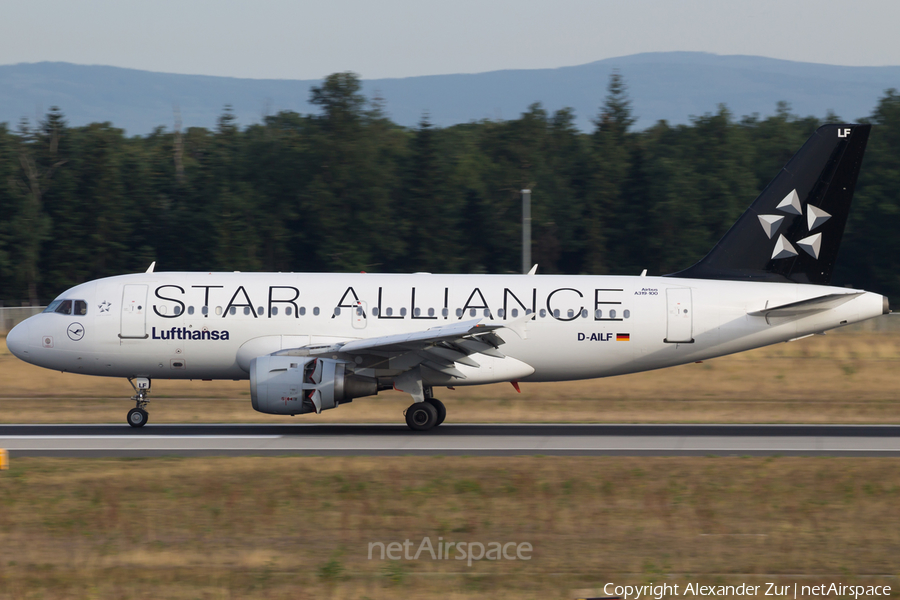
450	439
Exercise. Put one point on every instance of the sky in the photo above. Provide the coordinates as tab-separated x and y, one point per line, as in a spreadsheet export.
299	39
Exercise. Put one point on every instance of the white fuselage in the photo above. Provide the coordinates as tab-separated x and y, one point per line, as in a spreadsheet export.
153	324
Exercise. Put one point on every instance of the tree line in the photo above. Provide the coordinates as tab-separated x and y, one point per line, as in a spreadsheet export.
346	189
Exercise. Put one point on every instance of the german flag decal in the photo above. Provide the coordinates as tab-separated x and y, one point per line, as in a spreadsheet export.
623	337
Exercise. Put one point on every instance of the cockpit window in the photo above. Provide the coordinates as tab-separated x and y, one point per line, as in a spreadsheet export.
65	307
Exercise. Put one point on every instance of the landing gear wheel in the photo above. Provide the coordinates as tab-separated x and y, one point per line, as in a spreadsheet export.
421	416
440	408
137	417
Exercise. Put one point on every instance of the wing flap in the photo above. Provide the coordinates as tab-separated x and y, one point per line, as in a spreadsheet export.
478	347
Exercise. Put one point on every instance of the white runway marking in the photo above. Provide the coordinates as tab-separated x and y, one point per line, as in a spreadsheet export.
111	440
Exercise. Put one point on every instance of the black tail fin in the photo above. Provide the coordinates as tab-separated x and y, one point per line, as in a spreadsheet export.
793	230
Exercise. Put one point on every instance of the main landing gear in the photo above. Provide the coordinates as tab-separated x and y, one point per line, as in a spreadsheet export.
422	416
138	416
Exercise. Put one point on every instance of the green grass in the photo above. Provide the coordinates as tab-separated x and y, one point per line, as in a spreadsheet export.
300	527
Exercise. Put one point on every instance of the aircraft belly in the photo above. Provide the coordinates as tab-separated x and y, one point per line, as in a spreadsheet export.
567	351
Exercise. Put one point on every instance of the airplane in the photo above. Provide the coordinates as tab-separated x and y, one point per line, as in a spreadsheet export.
310	342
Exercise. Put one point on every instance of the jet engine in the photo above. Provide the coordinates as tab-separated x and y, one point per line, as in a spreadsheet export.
293	385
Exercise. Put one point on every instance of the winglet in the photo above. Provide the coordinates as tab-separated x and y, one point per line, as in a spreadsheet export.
518	325
533	270
151	267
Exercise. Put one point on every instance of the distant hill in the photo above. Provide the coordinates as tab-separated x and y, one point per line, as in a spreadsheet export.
666	85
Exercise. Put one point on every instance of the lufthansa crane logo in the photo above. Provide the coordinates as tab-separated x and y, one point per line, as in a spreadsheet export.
75	331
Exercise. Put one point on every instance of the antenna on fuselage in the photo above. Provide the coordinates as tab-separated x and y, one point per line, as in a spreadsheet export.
151	267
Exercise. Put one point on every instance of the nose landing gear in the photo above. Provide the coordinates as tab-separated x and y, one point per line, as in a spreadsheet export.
138	416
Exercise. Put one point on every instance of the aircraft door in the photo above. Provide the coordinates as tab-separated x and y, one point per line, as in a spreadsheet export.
134	312
359	315
679	316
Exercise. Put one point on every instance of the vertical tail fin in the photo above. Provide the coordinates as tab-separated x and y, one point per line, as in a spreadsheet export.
793	230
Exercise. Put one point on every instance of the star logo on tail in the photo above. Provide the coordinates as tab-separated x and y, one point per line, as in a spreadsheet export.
791	205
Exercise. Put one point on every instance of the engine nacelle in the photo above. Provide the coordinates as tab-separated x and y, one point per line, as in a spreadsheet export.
293	385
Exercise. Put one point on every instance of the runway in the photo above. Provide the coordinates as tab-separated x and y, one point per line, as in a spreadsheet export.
450	439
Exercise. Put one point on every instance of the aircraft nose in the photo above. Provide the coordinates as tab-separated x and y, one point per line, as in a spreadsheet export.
17	339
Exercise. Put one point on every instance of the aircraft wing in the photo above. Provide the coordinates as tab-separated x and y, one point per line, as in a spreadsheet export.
405	342
439	348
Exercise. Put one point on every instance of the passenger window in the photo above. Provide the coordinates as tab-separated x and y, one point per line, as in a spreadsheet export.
500	312
487	312
445	312
515	313
459	312
417	312
403	312
389	311
274	310
316	311
472	312
205	310
232	311
584	313
626	313
571	313
247	311
430	312
374	311
80	307
598	314
177	310
65	307
219	310
190	310
288	311
556	312
612	314
163	309
260	310
543	313
337	311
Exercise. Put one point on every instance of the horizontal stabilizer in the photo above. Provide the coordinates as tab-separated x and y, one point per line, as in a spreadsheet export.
806	307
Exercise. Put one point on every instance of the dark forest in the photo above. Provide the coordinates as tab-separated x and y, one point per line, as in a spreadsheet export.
346	189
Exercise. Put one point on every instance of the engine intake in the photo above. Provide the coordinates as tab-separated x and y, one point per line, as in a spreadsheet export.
293	385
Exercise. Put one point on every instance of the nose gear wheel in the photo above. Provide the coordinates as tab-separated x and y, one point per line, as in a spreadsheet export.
138	416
